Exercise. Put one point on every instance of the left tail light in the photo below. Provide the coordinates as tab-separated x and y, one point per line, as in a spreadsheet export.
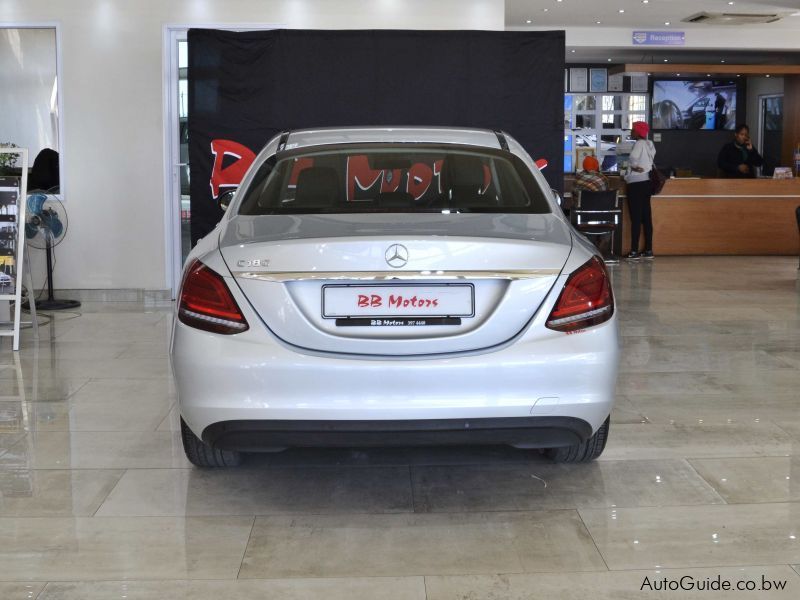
206	302
586	299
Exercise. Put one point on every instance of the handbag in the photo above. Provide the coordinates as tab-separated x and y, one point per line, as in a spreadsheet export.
657	180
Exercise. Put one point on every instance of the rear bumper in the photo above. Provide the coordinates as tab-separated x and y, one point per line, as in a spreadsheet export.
524	432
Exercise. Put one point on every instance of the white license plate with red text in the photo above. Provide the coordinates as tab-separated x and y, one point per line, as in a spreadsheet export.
437	300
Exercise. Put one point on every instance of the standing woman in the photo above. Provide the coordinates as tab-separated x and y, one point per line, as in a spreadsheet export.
640	189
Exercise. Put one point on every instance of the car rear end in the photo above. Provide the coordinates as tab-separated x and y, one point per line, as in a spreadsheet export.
375	294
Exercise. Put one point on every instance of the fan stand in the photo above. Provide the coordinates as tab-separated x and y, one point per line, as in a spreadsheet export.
52	303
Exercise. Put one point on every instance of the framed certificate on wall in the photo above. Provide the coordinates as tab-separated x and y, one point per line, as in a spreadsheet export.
598	80
638	83
615	83
578	80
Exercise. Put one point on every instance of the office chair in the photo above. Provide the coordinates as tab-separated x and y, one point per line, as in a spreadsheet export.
597	214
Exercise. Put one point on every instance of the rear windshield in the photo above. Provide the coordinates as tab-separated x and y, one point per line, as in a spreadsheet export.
393	179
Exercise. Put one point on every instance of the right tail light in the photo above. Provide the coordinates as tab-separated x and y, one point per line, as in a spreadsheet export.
586	299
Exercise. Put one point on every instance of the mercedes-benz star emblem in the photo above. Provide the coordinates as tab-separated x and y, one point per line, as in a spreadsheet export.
396	256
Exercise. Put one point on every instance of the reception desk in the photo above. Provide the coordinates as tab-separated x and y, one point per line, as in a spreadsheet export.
720	216
724	216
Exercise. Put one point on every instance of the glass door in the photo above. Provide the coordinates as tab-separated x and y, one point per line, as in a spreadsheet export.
771	125
176	143
183	146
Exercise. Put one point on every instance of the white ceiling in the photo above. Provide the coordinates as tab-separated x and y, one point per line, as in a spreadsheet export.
586	13
764	43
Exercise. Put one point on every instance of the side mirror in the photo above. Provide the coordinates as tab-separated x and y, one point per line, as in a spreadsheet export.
225	199
556	196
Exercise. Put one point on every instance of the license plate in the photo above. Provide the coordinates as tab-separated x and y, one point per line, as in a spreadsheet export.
438	300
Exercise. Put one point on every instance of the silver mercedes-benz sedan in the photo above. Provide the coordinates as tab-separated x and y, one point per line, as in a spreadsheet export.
394	286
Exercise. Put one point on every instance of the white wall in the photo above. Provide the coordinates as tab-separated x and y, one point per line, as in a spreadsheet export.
112	102
27	76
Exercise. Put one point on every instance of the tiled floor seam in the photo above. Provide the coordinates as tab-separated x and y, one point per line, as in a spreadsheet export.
708	567
83	385
411	490
591	537
704	480
783	429
116	483
246	546
44	587
123	351
166	417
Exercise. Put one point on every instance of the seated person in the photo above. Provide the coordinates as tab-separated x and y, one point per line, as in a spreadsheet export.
591	179
738	158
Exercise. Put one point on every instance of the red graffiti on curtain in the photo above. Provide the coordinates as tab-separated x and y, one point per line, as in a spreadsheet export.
231	175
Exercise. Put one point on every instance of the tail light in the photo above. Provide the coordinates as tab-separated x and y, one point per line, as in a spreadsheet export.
586	299
206	302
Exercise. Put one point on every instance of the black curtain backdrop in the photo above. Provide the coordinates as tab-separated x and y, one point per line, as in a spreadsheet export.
246	87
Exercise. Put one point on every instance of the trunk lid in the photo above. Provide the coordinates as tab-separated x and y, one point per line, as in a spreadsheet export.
413	285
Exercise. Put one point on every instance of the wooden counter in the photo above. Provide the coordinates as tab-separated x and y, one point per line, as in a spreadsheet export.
723	216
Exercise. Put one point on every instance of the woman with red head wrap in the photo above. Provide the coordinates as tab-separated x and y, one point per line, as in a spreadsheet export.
639	190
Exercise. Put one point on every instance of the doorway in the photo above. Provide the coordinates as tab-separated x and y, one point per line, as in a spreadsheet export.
771	130
177	204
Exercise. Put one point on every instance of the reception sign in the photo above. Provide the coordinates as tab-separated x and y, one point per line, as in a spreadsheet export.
659	38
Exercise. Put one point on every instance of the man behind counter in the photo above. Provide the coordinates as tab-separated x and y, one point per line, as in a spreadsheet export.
738	158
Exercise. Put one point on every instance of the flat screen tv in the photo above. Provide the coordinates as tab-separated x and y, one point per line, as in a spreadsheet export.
694	104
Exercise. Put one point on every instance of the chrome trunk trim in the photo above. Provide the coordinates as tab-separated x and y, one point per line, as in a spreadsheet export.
394	275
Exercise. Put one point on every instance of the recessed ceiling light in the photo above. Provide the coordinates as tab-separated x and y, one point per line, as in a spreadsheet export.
598	22
666	22
731	3
678	74
528	21
708	74
738	75
722	61
645	1
609	60
545	9
767	74
621	10
573	51
666	60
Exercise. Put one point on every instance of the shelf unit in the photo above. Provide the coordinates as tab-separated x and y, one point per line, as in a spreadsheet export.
19	210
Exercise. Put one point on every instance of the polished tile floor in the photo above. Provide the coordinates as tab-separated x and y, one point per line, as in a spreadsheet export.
701	478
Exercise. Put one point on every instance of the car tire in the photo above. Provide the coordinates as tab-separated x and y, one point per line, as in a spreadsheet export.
201	454
586	451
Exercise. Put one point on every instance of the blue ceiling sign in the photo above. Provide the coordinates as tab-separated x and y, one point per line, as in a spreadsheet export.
659	38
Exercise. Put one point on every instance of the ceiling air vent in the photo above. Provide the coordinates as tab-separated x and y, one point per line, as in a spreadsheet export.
707	18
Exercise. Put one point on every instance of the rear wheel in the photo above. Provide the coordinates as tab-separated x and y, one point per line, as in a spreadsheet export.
585	451
202	455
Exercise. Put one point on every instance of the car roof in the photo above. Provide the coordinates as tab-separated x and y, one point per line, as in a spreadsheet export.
302	138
